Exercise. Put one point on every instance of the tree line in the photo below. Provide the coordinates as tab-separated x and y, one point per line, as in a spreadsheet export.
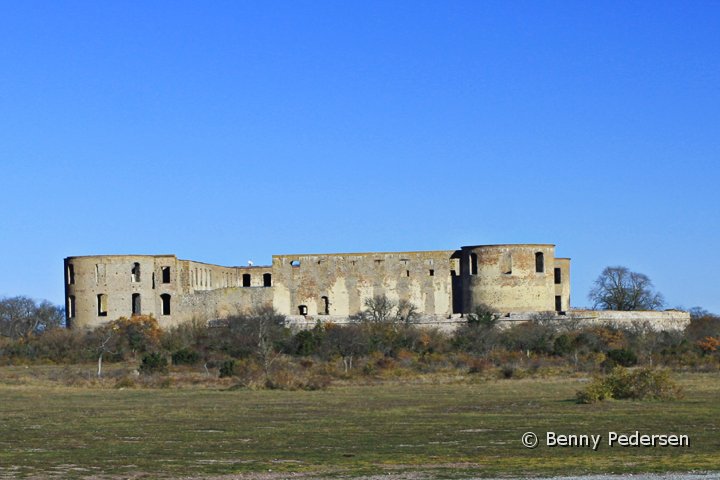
258	346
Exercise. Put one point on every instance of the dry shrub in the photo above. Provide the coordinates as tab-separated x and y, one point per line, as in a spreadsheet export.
386	363
154	381
289	376
125	382
500	357
640	384
708	344
478	365
405	357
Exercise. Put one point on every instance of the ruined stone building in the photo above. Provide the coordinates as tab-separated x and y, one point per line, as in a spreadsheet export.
441	284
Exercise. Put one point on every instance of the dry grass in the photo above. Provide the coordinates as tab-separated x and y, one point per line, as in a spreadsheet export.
437	426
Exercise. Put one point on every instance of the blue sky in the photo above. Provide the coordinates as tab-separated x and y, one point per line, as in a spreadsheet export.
229	131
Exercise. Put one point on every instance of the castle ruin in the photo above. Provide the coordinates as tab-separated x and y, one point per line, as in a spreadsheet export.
515	280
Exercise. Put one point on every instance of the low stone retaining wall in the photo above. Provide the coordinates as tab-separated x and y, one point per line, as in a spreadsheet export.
654	320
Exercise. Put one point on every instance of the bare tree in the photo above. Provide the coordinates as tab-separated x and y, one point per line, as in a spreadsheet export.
407	312
22	316
617	288
262	327
348	341
104	347
379	309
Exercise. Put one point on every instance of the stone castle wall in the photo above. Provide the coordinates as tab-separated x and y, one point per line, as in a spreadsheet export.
440	284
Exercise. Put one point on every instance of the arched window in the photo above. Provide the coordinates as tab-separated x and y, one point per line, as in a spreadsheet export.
539	262
165	304
246	279
267	280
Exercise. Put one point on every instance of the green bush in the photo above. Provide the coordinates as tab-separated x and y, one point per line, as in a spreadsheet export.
622	357
227	368
641	384
185	356
563	345
595	392
153	363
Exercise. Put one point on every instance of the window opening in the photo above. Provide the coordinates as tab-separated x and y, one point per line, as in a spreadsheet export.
165	274
473	264
136	304
246	279
302	309
539	262
506	264
267	280
71	274
558	276
165	304
135	273
71	306
324	306
102	305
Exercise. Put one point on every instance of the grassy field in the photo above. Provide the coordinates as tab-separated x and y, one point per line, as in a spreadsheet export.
445	430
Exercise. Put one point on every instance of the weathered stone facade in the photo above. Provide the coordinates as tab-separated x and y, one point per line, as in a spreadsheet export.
441	284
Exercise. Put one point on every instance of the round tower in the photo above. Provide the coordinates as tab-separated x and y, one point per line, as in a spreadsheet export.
508	278
101	288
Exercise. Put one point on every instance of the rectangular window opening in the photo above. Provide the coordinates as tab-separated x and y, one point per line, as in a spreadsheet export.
165	274
102	305
135	273
558	276
506	264
473	264
136	310
71	306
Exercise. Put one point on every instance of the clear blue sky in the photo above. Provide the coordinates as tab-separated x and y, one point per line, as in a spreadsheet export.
229	131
